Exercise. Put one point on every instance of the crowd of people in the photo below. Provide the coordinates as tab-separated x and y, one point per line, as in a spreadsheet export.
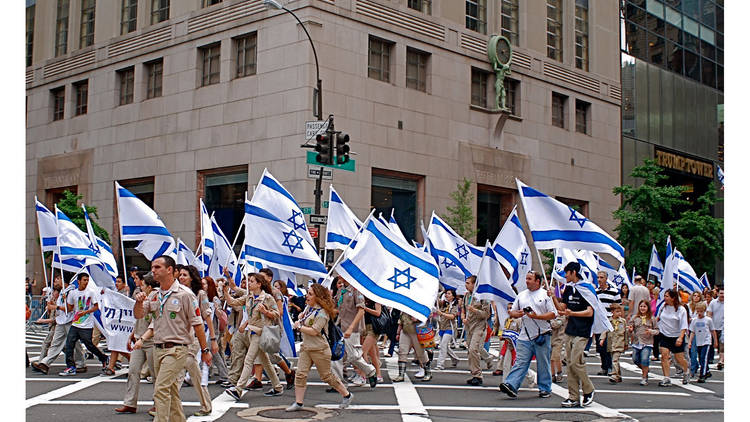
189	327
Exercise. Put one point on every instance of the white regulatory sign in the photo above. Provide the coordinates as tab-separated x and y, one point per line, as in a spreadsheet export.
314	171
315	127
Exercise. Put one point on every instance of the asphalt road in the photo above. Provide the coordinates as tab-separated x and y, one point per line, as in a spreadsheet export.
447	397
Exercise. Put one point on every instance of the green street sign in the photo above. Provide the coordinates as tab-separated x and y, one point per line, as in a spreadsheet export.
307	210
325	204
349	166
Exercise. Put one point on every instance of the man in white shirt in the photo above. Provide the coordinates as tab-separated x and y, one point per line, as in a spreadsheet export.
716	312
536	309
83	303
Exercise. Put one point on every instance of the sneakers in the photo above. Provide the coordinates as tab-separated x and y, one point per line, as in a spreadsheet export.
273	393
68	371
720	366
373	381
125	409
557	377
643	382
475	381
152	411
346	401
588	399
380	380
438	367
507	389
40	367
570	403
497	373
686	377
701	380
488	361
225	384
358	381
614	379
420	373
666	382
201	413
294	407
233	392
544	394
602	372
454	362
255	385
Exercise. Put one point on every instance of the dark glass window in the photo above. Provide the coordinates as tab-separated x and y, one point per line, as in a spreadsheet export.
225	197
246	55
81	92
708	72
400	196
674	57
154	71
582	116
416	69
554	30
512	91
30	12
128	16
159	11
125	78
582	34
509	20
206	3
476	15
210	59
58	103
558	110
479	88
61	27
88	14
421	5
379	59
692	66
489	216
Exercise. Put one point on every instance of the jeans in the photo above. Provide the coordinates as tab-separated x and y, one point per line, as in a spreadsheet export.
693	358
703	357
524	351
83	334
605	356
642	357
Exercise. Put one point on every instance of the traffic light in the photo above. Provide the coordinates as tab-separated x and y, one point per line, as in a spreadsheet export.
342	149
323	147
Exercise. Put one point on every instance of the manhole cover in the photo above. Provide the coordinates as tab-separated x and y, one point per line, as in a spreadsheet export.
567	416
282	414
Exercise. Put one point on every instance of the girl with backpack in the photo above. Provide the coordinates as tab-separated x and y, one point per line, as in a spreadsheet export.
313	324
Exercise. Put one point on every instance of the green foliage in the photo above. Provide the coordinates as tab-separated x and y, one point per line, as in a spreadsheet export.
699	235
69	206
461	216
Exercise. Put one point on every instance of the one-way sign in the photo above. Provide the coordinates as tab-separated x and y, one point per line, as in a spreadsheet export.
318	219
315	127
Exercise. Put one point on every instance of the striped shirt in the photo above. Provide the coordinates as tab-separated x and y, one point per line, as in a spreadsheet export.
608	297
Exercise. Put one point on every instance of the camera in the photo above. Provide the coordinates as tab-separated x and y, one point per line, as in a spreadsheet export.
527	309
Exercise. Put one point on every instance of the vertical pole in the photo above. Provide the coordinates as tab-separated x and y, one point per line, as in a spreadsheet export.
41	249
122	244
541	265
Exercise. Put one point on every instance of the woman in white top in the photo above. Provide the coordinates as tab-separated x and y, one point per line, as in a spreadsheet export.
673	325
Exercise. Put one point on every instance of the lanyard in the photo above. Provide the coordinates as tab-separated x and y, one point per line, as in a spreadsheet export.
469	297
252	307
162	301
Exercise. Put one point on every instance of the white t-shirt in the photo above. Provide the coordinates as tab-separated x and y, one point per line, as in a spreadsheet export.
83	301
637	294
702	328
62	316
541	304
671	322
717	313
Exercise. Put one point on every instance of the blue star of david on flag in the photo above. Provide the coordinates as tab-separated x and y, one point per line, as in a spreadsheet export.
293	220
462	251
296	239
447	262
581	220
398	273
524	256
618	279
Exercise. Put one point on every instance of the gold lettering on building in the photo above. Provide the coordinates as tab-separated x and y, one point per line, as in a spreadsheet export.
684	164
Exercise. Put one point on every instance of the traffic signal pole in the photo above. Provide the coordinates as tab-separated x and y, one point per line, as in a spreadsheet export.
318	192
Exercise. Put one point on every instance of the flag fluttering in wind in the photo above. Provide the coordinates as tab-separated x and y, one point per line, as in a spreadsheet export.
393	225
273	198
655	267
104	273
492	283
77	252
342	225
185	256
456	258
47	224
512	250
207	238
556	225
223	255
704	281
138	222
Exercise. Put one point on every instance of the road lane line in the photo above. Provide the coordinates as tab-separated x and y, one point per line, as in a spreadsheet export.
676	382
409	402
69	389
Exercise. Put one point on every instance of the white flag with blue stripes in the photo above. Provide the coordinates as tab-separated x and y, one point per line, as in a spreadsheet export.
104	273
512	250
588	291
185	256
393	225
556	225
77	252
289	279
272	241
391	272
655	267
47	224
492	283
207	238
456	258
138	222
272	197
704	281
342	224
622	276
223	255
286	345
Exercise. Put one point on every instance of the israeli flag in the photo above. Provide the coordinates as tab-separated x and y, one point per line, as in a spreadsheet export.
588	291
669	250
612	273
72	265
140	223
512	250
278	244
655	267
77	252
223	255
704	281
622	277
276	201
207	238
456	258
492	283
287	346
687	278
393	225
47	224
391	272
556	225
562	257
105	272
342	225
185	256
720	175
289	279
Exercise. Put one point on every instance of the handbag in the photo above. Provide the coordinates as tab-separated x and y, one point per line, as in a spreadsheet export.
381	324
270	339
426	337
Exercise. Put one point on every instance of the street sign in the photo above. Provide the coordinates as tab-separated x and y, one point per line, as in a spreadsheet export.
314	171
307	210
313	232
315	127
318	219
349	166
325	204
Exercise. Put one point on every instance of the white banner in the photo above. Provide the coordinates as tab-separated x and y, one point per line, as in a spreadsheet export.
117	319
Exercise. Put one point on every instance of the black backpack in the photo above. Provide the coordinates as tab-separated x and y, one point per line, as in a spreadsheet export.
335	340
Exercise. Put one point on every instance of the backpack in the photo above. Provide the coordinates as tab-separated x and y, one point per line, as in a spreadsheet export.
335	340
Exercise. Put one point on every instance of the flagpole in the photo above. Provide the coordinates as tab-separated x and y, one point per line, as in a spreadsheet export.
538	255
541	264
203	239
41	247
122	244
364	226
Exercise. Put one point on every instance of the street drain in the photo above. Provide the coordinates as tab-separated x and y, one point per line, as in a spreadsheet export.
282	414
269	414
567	416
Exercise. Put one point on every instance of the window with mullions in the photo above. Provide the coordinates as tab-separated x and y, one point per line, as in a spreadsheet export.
424	6
30	11
398	195
61	27
416	69
247	54
494	204
224	196
509	20
558	110
128	16
582	34
206	3
125	78
58	103
512	92
154	71
210	69
88	14
159	11
81	92
379	59
582	116
554	30
476	15
479	88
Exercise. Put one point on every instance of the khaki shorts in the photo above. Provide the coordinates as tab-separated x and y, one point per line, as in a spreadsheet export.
369	331
557	344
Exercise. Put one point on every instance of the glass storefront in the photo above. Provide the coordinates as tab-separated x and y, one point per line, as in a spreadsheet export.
391	193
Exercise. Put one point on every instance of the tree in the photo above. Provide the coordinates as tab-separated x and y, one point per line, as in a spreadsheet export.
461	216
645	213
69	206
699	235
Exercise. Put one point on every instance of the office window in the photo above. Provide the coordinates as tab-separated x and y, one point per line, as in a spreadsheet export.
223	191
58	103
61	27
128	16
379	59
210	69
512	93
479	88
509	20
424	6
30	11
206	3
400	193
476	15
81	92
558	109
154	71
247	54
582	34
554	30
55	195
125	79
159	11
582	119
494	204
88	12
416	69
